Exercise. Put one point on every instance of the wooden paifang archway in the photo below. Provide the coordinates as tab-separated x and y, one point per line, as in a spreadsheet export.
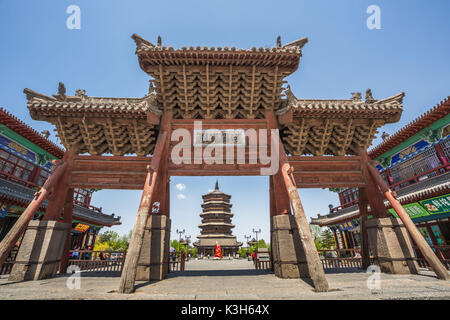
225	89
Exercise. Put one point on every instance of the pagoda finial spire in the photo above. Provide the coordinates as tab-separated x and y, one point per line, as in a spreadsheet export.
217	184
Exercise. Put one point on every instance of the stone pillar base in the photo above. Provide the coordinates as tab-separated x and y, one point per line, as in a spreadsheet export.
40	252
153	262
390	243
288	255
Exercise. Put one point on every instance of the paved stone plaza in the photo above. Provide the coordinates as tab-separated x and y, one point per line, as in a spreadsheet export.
229	279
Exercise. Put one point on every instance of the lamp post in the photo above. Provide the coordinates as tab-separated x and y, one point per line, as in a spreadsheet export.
180	232
247	238
256	233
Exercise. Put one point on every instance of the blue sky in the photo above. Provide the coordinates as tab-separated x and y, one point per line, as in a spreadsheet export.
409	53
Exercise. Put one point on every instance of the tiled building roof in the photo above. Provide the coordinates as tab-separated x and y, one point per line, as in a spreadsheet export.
439	111
29	133
23	195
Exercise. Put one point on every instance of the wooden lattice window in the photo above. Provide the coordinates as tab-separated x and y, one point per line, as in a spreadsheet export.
82	196
446	148
43	175
421	163
14	168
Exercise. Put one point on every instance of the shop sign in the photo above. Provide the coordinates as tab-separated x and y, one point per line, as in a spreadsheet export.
81	227
437	205
17	149
414	210
409	151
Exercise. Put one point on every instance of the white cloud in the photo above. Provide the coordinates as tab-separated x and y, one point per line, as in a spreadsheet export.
180	186
181	196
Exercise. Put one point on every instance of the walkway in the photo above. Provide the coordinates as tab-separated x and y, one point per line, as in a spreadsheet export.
230	279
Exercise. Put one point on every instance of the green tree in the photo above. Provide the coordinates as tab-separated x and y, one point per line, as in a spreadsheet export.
315	231
178	246
243	252
261	244
113	241
327	239
194	252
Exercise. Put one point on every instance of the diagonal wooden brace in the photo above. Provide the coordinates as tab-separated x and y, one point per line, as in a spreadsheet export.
315	267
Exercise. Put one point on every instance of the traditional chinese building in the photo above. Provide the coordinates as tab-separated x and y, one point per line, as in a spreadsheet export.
25	163
216	224
415	163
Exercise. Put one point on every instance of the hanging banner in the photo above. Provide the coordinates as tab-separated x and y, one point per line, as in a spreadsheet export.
414	210
349	225
437	205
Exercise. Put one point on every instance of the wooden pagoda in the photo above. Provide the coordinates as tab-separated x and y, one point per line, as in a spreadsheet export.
216	224
322	144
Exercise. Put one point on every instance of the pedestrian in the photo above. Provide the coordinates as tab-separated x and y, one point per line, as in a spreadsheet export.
75	253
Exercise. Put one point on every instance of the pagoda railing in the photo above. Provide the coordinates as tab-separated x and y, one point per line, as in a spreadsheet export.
342	259
89	260
442	252
13	178
6	267
177	262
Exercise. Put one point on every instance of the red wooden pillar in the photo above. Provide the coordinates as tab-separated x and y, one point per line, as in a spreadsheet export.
389	177
273	205
67	218
348	236
57	198
441	155
362	203
377	207
282	204
336	242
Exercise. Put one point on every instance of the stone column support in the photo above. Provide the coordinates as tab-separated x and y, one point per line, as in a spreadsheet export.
40	251
391	245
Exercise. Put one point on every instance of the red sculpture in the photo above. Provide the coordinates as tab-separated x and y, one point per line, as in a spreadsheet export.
217	251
